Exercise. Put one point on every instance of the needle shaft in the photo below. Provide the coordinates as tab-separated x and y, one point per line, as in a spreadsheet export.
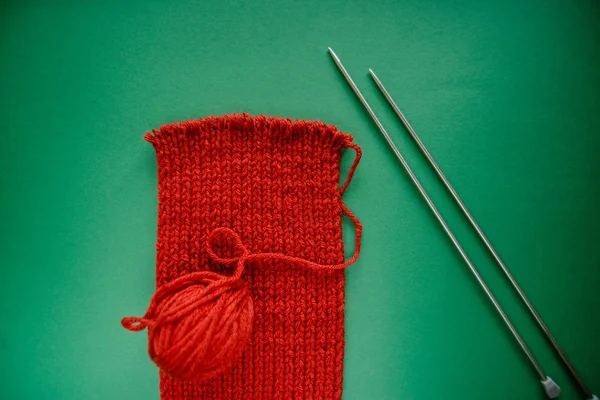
440	219
483	237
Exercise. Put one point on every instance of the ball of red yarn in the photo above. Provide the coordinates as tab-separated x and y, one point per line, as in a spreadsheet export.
198	325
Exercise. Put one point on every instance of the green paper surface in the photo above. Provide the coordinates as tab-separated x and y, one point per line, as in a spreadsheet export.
506	95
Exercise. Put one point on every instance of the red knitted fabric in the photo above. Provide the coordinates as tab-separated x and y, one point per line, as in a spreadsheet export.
275	183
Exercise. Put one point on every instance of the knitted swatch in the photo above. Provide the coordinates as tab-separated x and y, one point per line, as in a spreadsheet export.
250	239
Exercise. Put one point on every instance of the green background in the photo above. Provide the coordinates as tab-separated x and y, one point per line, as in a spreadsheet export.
506	95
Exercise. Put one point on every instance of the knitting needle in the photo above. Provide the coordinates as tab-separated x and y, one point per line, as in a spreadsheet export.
488	244
551	388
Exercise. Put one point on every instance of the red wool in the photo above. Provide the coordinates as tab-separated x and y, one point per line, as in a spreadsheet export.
250	259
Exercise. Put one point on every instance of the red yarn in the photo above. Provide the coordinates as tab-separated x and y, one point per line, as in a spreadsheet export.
201	321
198	325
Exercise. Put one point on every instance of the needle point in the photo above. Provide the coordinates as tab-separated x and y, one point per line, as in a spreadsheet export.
333	55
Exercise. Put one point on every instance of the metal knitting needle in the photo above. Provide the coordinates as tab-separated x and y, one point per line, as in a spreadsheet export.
488	244
551	388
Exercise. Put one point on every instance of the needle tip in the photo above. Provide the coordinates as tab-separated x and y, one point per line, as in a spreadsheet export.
333	55
373	75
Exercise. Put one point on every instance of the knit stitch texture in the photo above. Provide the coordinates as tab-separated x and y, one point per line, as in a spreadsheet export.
275	182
